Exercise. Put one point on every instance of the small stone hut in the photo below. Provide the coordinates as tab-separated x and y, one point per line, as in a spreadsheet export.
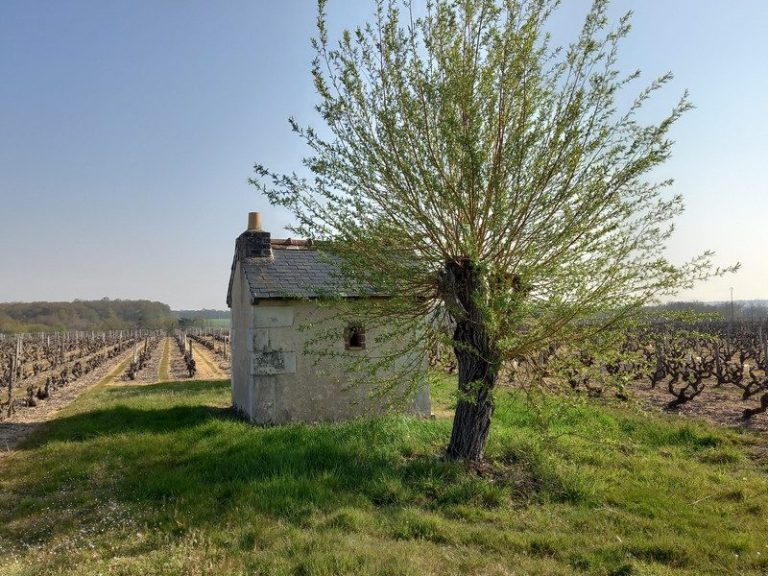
275	291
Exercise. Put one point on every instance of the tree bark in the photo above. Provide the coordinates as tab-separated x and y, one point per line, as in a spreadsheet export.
474	409
478	360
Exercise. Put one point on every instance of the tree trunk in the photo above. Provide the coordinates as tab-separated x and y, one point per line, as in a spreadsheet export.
478	362
474	409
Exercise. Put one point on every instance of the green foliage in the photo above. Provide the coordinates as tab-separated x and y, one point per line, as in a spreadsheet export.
465	136
483	178
162	479
97	315
738	311
203	318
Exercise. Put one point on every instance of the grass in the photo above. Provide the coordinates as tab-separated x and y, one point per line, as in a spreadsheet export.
163	479
217	322
165	361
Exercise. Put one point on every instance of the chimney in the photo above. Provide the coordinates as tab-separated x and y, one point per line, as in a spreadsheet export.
254	222
254	243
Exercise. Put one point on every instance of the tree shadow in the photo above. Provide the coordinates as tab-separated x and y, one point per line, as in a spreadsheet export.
124	420
212	465
14	434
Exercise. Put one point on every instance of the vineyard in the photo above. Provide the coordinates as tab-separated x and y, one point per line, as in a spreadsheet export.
603	489
41	373
713	369
33	367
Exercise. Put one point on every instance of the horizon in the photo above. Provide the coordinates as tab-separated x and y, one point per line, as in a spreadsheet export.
129	132
748	302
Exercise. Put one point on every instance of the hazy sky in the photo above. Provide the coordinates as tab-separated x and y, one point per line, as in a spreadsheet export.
128	131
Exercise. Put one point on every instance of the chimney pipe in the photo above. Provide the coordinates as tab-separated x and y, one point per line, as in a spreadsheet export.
254	242
254	222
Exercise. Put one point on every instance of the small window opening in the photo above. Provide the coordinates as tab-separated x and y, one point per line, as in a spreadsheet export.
354	337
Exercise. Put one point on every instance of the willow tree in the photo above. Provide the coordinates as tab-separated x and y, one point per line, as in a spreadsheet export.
470	165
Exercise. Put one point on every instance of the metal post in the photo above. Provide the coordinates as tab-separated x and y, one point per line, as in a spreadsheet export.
732	313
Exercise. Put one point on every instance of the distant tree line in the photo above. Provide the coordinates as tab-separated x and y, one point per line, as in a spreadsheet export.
203	318
738	310
203	314
102	314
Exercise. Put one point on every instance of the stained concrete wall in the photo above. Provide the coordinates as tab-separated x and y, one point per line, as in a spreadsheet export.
241	351
275	382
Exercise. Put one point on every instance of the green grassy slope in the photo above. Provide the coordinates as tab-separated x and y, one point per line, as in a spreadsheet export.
163	480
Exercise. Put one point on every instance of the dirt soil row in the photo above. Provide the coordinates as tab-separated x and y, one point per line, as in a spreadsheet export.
207	366
151	371
718	405
27	419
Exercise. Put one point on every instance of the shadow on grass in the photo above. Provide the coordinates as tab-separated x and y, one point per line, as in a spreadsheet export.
173	467
192	387
197	465
122	420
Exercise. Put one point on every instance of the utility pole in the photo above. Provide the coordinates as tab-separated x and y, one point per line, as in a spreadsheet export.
732	314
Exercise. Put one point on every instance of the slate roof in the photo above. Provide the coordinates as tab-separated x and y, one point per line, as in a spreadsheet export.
302	273
294	270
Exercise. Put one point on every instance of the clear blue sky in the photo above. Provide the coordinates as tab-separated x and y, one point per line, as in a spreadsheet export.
128	130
